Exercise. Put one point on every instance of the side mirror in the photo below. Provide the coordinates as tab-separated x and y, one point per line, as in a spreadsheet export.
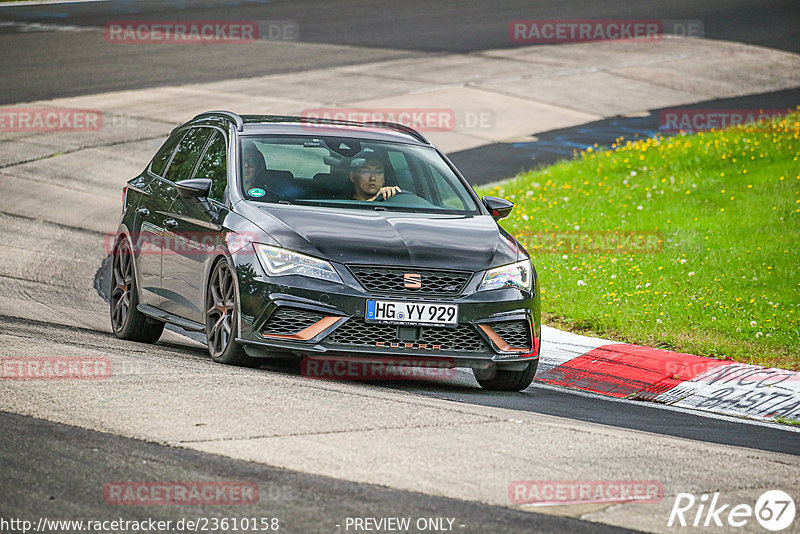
197	188
498	207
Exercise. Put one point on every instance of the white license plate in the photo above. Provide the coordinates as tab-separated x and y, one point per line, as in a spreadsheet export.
412	313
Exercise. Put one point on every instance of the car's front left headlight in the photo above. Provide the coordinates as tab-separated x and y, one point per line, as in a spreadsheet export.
282	262
519	275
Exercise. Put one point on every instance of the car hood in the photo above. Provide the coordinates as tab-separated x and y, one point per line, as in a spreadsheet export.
355	236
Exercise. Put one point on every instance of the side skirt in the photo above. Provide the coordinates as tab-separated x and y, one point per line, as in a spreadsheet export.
161	315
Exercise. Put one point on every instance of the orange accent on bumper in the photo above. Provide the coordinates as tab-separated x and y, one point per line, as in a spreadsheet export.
498	341
310	332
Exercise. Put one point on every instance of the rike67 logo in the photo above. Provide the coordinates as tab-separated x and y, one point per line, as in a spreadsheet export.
774	510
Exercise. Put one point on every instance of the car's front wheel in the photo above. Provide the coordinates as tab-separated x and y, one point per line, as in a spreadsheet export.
127	321
495	378
222	326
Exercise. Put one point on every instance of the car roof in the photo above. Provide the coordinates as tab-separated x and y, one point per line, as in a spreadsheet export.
290	125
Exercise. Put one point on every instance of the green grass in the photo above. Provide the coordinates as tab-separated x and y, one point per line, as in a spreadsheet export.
787	421
716	267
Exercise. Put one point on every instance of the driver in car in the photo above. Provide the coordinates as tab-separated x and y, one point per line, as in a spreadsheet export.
367	177
255	167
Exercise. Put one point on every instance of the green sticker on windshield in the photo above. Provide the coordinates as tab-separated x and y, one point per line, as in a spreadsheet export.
256	192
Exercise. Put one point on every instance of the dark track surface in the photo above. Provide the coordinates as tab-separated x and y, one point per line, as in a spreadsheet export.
59	472
447	25
496	161
562	402
642	416
49	64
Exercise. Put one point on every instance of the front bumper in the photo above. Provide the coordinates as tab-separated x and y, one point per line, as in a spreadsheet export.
307	316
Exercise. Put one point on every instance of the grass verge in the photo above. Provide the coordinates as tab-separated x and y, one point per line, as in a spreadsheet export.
787	421
688	243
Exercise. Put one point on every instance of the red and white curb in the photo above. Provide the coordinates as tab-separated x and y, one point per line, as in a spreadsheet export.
631	371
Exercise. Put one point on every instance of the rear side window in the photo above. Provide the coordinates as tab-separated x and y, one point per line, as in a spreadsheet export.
187	155
161	158
214	166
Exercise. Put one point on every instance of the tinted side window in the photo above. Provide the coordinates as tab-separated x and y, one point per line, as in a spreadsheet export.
187	155
164	153
214	166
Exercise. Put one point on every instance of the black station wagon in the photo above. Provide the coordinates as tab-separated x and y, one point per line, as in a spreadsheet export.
283	235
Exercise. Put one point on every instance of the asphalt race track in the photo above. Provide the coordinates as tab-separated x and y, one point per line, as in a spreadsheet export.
319	452
378	30
302	503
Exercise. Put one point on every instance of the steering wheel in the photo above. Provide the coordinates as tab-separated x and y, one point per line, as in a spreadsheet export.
381	198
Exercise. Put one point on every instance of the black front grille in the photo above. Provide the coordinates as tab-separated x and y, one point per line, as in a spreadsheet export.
515	333
393	280
287	321
463	338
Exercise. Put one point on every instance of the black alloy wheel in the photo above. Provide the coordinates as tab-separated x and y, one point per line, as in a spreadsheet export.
222	319
127	321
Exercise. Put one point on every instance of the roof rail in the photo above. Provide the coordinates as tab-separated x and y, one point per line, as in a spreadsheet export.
231	115
401	128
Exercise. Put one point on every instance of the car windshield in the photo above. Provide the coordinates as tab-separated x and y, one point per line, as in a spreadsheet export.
350	173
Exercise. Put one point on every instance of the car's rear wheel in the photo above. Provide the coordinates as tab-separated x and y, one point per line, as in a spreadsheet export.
127	321
495	378
222	325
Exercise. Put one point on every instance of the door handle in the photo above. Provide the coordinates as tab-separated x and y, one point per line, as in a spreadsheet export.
144	212
170	223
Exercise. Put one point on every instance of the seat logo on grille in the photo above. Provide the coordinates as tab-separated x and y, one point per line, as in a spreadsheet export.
412	281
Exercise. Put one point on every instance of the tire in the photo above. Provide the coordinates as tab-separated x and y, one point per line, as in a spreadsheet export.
222	309
127	322
499	379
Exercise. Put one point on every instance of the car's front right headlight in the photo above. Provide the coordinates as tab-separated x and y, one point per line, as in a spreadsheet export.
519	275
279	261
